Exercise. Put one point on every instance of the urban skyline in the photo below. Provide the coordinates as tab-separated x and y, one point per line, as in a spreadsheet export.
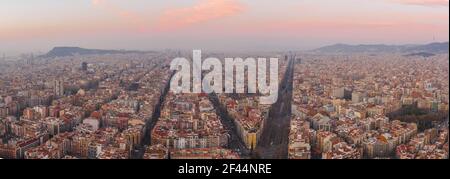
224	79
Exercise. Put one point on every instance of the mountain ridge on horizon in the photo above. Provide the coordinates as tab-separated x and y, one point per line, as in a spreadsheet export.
63	51
434	47
431	48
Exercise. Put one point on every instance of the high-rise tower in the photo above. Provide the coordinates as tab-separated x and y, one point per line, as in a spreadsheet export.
58	87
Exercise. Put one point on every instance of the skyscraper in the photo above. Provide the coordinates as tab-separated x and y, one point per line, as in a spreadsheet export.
58	87
84	66
299	60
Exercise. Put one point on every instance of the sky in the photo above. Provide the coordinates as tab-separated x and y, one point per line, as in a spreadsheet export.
227	25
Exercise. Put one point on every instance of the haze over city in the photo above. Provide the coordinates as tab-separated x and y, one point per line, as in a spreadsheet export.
218	24
224	79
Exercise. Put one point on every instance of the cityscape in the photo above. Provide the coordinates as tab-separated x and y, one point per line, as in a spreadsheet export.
342	101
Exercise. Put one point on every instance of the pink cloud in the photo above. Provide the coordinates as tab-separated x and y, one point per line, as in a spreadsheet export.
97	2
389	27
175	18
424	2
204	11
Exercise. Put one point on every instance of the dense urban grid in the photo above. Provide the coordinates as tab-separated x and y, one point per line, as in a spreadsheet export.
119	106
366	106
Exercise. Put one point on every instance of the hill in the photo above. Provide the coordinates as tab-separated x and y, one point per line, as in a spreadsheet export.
70	51
382	48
